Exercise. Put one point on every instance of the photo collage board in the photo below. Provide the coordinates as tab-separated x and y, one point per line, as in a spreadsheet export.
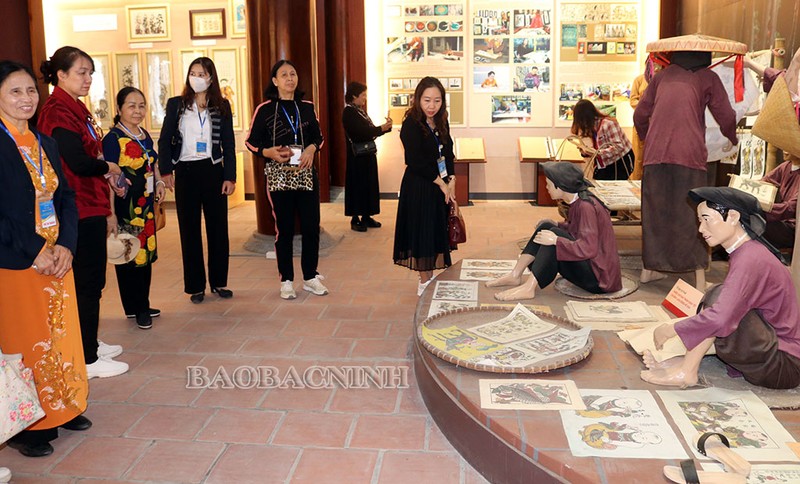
604	34
499	62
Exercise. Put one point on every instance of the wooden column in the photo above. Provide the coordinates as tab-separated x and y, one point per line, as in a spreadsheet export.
286	30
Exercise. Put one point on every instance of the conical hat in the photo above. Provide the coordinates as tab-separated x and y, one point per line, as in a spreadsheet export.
697	43
777	122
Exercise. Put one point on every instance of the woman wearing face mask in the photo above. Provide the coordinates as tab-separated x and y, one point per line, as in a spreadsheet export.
197	157
131	147
79	138
421	240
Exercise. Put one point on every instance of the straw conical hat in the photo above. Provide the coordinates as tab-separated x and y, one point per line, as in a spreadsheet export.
697	43
777	122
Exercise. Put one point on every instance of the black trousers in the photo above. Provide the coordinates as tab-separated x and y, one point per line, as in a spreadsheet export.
545	267
198	189
619	170
134	287
89	266
305	204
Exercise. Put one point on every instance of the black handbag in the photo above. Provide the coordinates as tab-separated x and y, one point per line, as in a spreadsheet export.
363	147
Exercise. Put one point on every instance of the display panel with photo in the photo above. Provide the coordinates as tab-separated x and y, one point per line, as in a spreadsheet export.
485	78
228	72
405	49
493	50
238	18
492	22
532	78
511	109
101	100
148	23
158	68
207	24
532	22
447	48
127	71
533	50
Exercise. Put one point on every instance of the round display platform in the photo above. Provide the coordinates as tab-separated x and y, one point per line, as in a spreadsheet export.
468	318
629	286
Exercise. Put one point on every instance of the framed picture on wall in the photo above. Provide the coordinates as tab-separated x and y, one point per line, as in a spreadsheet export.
238	19
207	24
158	69
148	23
187	56
100	100
127	70
227	62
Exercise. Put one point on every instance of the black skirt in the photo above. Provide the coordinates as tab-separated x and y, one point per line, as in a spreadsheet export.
420	237
361	191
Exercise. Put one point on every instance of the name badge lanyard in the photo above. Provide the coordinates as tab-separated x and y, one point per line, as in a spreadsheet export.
94	130
39	169
295	125
439	161
131	136
438	144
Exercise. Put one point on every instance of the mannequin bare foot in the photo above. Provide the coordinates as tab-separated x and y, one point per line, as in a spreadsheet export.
505	280
651	276
651	363
516	294
671	377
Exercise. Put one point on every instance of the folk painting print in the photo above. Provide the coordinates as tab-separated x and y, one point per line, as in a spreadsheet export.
238	19
459	343
557	343
507	357
530	395
101	101
488	264
610	311
227	64
159	86
519	324
148	23
481	274
456	291
741	416
622	424
127	70
442	306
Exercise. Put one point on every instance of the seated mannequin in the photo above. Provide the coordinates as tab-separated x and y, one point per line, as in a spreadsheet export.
583	249
752	318
781	219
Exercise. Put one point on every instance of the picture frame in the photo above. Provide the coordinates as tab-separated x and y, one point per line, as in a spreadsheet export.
158	83
229	76
148	23
238	13
100	100
127	70
186	58
207	23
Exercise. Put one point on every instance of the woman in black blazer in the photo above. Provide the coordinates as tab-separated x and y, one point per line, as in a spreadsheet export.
197	157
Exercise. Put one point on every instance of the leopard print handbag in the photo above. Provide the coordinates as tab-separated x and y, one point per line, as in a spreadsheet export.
282	177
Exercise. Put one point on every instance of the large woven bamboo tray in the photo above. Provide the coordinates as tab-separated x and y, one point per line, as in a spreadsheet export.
467	318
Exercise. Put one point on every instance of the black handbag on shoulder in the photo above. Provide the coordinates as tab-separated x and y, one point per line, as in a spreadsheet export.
363	147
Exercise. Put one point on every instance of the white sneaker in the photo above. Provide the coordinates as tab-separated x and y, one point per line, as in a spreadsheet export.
107	351
5	474
314	286
287	290
422	285
105	368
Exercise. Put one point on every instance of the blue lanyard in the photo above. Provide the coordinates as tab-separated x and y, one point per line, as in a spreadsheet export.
40	168
438	144
294	125
92	126
130	135
202	120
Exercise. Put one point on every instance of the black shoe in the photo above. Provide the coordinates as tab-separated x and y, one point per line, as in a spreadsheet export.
145	321
358	226
78	423
371	222
32	450
154	313
222	292
198	298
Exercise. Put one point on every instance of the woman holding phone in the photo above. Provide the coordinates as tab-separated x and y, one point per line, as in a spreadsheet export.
197	157
286	132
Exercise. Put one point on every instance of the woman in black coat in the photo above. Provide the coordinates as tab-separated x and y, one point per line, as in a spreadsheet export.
361	193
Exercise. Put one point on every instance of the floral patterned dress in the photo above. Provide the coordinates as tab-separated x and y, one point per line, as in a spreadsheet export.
135	210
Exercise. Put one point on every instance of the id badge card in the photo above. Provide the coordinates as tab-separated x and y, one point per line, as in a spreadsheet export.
149	183
48	213
201	146
442	167
297	150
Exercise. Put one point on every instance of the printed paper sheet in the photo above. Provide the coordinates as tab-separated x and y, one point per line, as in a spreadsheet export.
439	306
557	343
521	323
764	473
459	343
617	311
528	394
658	312
748	423
621	424
456	290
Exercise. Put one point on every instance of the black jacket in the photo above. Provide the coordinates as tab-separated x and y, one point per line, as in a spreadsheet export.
19	242
223	143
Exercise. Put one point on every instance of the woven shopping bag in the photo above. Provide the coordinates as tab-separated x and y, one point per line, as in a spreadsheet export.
19	403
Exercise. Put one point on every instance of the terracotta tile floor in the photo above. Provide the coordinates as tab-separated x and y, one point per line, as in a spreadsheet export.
148	427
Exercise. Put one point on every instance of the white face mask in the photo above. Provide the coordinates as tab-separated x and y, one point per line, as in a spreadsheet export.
198	83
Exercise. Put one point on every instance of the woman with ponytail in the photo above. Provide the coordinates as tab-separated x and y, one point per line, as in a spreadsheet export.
130	146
